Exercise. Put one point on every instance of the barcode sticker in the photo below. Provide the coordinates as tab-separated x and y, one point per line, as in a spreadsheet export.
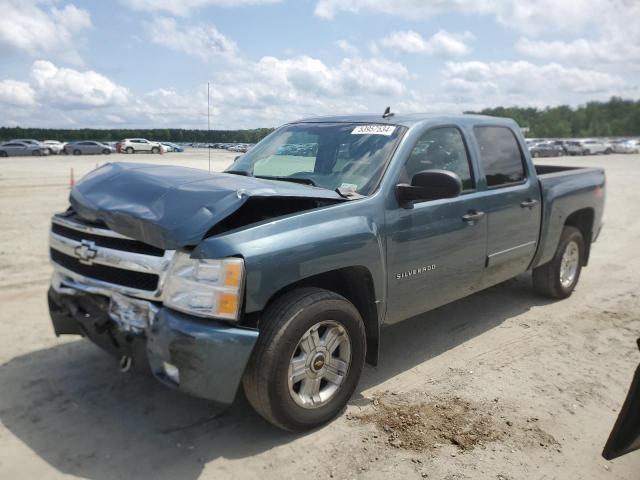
386	130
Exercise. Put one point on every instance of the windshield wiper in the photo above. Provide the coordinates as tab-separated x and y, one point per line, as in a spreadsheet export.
304	181
238	172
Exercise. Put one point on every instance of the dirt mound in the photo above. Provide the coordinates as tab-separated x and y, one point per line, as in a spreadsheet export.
422	425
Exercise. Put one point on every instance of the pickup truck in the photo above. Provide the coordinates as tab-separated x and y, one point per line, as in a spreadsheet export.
279	273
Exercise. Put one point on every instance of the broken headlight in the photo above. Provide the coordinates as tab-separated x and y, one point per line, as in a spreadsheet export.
205	287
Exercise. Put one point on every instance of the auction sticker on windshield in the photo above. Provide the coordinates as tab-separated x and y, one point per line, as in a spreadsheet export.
386	130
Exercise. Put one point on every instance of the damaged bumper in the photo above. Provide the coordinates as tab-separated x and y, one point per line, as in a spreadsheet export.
203	358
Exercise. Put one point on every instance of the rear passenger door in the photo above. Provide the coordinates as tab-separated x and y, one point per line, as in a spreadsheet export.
511	202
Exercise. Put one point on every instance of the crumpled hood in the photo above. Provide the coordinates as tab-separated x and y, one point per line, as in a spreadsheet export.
171	207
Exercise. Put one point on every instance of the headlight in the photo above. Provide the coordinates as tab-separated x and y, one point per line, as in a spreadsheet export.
204	287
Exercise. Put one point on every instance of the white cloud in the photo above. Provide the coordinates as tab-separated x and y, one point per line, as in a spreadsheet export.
442	43
16	93
530	16
523	83
266	92
184	7
347	47
615	39
202	41
28	27
71	89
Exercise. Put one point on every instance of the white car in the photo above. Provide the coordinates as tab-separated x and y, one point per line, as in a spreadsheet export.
625	146
594	146
54	146
134	145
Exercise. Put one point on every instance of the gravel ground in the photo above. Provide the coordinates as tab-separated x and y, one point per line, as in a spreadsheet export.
501	385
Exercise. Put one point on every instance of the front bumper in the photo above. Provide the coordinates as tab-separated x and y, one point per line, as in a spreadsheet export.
209	356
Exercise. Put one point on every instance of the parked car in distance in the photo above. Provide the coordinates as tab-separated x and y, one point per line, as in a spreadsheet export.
573	147
279	273
54	146
546	150
135	145
625	146
593	147
30	141
15	148
88	147
172	147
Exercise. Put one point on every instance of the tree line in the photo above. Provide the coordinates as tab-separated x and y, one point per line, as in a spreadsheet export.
615	118
177	135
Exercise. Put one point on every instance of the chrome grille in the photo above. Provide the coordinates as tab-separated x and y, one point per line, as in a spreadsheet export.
98	259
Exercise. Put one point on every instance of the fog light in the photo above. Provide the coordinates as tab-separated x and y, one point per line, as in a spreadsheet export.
172	372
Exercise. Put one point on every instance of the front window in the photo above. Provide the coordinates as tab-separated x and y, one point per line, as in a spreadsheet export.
345	156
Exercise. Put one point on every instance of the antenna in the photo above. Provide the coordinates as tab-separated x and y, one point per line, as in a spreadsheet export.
387	113
208	125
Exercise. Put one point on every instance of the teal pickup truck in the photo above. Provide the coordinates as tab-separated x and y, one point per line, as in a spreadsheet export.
279	273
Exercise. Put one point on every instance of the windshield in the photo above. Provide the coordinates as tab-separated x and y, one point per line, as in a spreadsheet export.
347	156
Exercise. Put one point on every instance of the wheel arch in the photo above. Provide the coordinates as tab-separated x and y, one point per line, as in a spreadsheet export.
583	220
354	283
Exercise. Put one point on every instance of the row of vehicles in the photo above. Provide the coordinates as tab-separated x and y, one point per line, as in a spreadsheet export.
32	147
232	147
557	148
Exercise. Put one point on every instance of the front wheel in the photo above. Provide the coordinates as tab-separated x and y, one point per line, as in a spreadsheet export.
106	151
559	277
308	359
155	150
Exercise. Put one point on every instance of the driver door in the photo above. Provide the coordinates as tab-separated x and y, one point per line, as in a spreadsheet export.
436	249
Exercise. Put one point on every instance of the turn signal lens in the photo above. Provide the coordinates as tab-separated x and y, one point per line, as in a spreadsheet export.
232	274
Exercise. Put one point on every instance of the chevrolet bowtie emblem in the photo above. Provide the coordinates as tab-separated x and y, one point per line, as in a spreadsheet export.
86	252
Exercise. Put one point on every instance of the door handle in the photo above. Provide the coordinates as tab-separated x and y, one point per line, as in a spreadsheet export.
529	203
472	216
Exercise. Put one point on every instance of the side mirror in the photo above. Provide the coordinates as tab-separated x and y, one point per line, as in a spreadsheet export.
429	185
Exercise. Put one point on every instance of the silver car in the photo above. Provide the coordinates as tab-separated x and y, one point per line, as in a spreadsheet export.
21	149
87	147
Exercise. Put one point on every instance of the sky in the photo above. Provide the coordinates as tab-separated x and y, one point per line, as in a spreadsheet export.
146	63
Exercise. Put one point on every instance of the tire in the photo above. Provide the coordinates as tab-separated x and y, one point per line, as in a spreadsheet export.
77	152
535	154
587	152
106	151
129	150
155	150
285	323
4	154
547	279
36	153
608	151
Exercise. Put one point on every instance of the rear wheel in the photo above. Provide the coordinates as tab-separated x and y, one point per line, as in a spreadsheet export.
129	150
608	151
36	153
559	277
3	154
77	152
308	359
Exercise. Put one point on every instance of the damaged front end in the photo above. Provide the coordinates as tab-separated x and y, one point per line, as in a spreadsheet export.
123	276
109	288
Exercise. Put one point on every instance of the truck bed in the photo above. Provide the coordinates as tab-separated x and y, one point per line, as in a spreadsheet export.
566	190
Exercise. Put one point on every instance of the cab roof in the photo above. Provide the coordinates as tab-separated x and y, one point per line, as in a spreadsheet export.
414	119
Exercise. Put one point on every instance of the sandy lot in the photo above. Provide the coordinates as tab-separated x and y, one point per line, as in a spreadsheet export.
501	385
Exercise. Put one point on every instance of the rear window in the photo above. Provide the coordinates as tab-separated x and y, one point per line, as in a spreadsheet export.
500	156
